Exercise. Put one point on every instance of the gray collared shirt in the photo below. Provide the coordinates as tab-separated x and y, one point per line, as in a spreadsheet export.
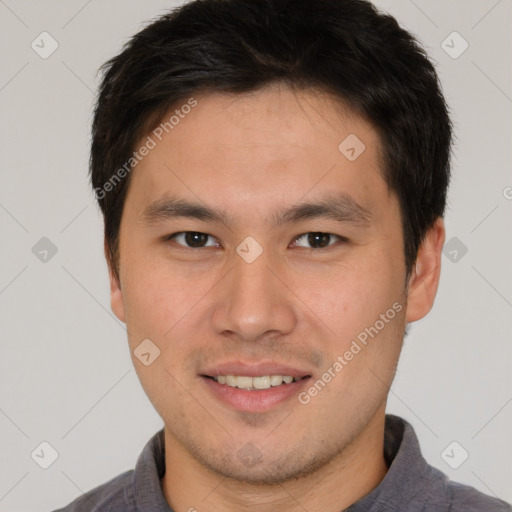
409	485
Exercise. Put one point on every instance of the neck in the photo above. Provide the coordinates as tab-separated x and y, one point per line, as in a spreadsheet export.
188	486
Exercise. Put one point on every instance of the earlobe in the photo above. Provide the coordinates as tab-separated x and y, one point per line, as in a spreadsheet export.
424	279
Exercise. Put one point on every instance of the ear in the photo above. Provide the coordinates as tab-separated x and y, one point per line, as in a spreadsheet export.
116	295
424	278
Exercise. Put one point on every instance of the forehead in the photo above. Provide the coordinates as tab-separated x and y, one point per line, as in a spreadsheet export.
270	145
287	119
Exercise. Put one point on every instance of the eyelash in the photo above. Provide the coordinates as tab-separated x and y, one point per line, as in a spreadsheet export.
341	239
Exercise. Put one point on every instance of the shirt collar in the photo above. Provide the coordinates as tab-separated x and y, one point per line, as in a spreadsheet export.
149	471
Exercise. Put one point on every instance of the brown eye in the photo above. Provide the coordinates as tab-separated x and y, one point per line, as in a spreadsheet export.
317	240
192	239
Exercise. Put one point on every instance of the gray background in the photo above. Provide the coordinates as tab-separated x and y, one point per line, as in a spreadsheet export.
66	374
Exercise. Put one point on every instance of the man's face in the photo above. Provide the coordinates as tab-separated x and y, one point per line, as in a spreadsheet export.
214	305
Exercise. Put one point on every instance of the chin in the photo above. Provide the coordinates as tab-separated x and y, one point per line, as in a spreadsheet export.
249	465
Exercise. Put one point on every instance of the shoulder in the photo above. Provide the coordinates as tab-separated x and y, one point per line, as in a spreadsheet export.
411	479
464	498
133	490
116	495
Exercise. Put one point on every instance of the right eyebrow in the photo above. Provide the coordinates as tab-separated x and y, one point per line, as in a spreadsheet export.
171	207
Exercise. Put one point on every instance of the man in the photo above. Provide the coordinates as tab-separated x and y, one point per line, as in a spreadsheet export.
272	176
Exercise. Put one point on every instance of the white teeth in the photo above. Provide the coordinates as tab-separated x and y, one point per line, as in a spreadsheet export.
261	382
245	382
276	380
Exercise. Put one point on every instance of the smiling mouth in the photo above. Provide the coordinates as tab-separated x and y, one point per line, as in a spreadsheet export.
255	383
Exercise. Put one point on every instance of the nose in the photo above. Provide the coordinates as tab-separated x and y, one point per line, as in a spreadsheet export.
253	302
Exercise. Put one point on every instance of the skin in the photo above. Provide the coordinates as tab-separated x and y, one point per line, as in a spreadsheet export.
250	155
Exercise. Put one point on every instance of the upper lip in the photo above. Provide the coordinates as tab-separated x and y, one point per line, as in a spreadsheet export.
259	369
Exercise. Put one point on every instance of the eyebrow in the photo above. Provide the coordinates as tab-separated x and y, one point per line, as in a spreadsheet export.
339	207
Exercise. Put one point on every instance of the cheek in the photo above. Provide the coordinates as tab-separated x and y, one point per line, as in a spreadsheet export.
156	309
163	304
360	307
348	297
154	305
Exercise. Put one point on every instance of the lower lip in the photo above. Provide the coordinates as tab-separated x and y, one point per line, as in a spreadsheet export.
258	400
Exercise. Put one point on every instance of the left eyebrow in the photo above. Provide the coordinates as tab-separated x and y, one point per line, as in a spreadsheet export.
340	207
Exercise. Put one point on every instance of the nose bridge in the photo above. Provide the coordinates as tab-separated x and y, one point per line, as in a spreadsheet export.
254	301
252	278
